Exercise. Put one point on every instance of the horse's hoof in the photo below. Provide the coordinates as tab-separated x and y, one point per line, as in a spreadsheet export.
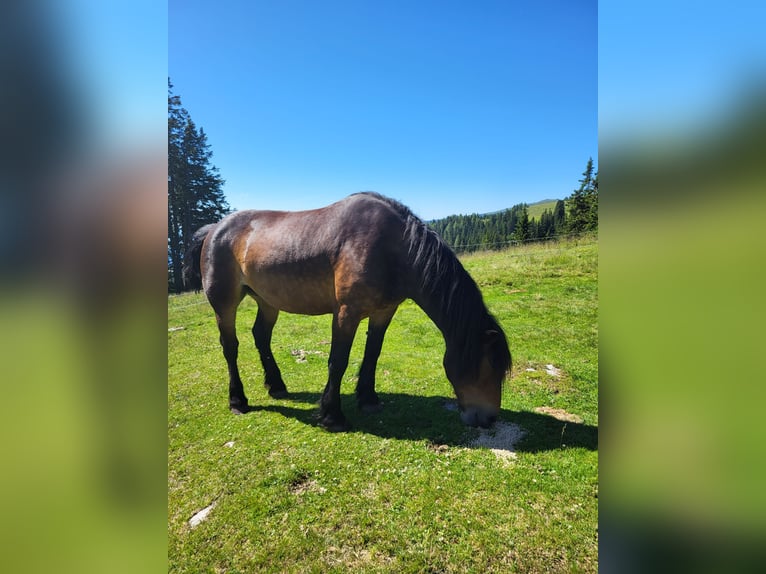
371	408
335	425
278	393
240	409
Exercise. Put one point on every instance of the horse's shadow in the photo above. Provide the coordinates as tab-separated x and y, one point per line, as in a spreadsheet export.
435	419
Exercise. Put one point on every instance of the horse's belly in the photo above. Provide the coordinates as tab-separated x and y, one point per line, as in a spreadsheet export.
304	296
299	302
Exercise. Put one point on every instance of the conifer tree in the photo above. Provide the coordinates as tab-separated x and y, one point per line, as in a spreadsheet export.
545	227
593	205
177	119
521	233
559	217
195	188
579	218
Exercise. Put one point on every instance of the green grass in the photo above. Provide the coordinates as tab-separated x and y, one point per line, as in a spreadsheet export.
535	210
403	491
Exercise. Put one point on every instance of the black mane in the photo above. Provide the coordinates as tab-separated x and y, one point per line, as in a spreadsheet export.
446	292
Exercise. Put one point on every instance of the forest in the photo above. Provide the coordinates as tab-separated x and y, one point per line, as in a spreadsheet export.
577	214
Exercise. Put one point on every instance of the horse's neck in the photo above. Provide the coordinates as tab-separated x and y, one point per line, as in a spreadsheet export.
435	312
435	302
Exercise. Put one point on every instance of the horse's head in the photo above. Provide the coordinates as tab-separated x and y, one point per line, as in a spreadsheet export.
478	387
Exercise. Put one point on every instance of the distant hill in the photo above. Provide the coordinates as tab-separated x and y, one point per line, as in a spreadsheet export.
535	210
520	223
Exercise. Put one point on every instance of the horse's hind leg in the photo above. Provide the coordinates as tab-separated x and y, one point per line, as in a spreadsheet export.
262	329
225	308
230	344
366	397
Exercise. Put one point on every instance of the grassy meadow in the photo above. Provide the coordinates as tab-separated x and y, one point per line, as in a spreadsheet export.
535	210
404	491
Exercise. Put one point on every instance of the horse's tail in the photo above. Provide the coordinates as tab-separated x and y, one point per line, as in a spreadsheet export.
192	272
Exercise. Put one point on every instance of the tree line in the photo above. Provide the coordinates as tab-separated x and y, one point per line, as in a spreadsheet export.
195	187
576	214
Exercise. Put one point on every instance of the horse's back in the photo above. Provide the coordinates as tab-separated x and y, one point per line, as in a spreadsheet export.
306	261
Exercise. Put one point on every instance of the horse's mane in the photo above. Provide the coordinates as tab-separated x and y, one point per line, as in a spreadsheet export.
446	286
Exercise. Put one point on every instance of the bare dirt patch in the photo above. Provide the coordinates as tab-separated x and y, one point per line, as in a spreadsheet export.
438	448
559	414
303	484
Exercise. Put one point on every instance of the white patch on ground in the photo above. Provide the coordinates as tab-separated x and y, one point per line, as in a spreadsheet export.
501	440
229	444
301	355
202	515
552	371
173	329
559	414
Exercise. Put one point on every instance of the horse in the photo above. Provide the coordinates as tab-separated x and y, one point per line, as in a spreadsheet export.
358	258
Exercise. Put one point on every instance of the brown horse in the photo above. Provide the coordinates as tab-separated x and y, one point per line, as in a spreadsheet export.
357	258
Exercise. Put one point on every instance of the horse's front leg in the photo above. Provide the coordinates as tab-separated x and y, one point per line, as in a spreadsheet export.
343	330
366	397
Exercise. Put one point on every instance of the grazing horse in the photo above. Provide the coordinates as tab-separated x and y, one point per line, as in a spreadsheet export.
358	258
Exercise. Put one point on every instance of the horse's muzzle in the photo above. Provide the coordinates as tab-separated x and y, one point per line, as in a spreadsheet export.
477	417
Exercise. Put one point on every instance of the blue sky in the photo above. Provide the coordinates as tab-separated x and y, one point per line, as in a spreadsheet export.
450	107
670	67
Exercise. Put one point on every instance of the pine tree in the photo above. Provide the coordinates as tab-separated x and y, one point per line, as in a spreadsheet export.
534	229
559	218
580	202
593	205
522	231
195	188
545	228
206	202
177	119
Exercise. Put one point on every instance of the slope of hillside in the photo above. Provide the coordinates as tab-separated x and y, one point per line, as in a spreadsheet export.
535	210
